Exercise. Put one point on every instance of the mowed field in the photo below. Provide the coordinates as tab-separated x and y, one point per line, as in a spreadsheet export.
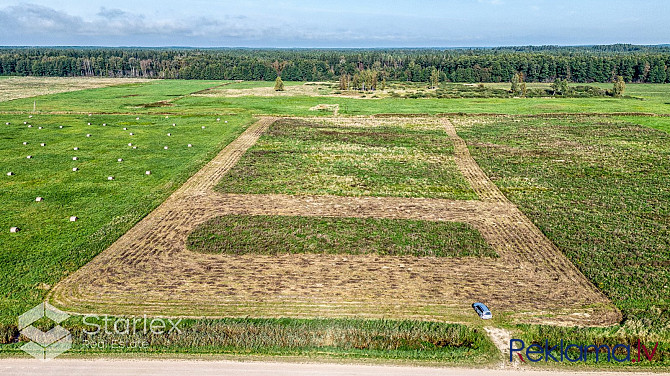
383	217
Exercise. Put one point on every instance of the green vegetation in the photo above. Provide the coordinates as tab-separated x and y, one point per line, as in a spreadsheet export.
331	338
136	98
279	84
596	185
536	64
599	189
235	234
49	246
315	157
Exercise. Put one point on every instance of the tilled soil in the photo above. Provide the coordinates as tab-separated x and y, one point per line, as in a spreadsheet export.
149	270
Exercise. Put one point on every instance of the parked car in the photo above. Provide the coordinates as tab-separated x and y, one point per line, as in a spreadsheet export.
482	310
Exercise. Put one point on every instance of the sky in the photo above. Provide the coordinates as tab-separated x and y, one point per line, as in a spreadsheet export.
331	24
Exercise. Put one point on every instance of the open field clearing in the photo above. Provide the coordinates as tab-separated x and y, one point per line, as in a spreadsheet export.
563	209
183	97
127	97
390	158
48	245
598	188
263	89
24	87
646	98
280	234
570	175
136	273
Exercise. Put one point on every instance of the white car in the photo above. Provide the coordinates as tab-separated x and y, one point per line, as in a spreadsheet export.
482	310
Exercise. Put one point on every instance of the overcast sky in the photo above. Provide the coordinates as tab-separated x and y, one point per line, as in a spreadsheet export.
359	23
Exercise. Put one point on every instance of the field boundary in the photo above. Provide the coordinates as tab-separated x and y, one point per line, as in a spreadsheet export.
150	270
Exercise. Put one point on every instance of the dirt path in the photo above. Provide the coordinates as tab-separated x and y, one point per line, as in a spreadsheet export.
149	269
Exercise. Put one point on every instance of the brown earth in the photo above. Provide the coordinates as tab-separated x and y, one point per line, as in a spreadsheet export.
150	271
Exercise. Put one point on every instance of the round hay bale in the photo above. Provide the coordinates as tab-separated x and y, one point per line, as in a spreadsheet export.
137	118
189	145
134	147
75	158
226	121
217	119
165	147
88	135
61	127
120	160
30	116
43	144
75	169
203	127
39	127
10	173
104	124
132	134
25	143
147	172
30	125
169	134
110	178
14	229
174	125
73	219
130	144
75	148
7	123
39	199
29	157
25	122
89	123
125	128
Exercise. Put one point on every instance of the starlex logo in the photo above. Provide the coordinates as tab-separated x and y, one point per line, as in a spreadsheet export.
579	353
45	345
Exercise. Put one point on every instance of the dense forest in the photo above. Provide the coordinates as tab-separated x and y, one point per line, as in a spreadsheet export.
536	63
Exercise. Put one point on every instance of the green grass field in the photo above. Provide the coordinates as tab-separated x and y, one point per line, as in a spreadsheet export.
300	157
49	246
273	234
596	186
600	190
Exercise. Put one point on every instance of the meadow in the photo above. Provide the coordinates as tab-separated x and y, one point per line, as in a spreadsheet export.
587	171
281	234
599	189
48	245
300	157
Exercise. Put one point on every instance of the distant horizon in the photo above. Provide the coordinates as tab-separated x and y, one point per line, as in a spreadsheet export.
339	24
342	48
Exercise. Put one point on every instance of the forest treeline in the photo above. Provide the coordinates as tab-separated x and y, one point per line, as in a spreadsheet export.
536	63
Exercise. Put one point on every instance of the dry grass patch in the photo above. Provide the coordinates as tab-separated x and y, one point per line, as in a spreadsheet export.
25	87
